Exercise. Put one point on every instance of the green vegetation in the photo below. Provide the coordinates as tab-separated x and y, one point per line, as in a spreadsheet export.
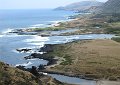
117	39
109	17
96	25
67	60
48	29
113	18
14	76
61	52
91	58
87	24
115	24
113	30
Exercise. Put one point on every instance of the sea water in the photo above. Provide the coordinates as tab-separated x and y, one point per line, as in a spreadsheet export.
17	19
21	19
14	19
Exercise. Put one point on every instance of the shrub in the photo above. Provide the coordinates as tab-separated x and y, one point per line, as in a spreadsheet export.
117	39
113	30
67	61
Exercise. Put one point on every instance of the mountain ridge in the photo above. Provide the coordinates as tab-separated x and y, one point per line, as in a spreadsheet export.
80	6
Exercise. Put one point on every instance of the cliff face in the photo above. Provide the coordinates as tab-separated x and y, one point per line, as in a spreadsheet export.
80	6
111	6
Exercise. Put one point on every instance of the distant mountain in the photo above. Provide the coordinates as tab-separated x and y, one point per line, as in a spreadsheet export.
92	9
81	6
111	6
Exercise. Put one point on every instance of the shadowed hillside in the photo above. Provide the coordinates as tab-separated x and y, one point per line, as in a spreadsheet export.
111	6
14	76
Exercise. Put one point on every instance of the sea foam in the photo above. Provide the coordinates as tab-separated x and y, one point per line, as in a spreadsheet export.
24	64
37	40
6	31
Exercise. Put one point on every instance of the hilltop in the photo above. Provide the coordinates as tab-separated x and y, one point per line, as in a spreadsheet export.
80	6
111	6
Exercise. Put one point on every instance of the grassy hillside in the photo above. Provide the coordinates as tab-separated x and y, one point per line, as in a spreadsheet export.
92	58
14	76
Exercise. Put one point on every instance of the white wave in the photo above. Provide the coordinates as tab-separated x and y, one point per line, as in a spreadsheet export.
34	49
9	35
37	25
30	47
15	51
40	44
1	35
45	73
36	38
40	52
7	31
34	59
14	35
24	64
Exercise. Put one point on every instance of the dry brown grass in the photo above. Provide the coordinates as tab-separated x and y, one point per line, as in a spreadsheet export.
14	76
98	58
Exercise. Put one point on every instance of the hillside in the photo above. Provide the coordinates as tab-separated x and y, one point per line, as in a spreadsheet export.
14	76
111	6
97	59
80	6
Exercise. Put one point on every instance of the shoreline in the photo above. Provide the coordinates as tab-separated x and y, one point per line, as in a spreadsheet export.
54	61
72	74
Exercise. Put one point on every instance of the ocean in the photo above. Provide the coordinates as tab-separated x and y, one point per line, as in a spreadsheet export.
10	42
25	18
17	19
14	19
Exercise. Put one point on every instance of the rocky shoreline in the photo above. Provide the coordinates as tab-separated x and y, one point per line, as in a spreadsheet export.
53	61
84	25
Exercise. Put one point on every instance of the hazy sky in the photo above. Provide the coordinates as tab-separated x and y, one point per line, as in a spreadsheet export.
32	4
